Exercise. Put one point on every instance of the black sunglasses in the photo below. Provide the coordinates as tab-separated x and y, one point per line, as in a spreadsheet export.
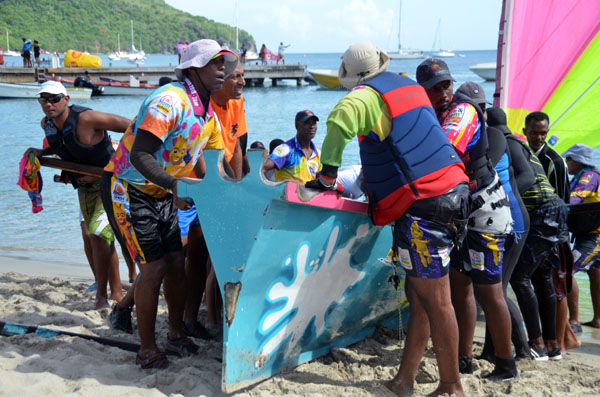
51	99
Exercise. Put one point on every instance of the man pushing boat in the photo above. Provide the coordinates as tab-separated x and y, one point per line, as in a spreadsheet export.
78	134
139	188
416	181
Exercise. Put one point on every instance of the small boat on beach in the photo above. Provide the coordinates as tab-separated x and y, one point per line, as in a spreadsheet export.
13	90
299	271
326	78
486	71
112	87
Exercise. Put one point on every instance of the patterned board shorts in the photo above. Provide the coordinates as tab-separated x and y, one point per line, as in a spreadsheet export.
586	252
423	244
481	257
93	213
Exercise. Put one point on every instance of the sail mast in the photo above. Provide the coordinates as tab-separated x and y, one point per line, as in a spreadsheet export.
399	26
7	47
132	49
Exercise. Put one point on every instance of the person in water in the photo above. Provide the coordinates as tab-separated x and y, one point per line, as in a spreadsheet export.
78	134
424	196
163	144
476	269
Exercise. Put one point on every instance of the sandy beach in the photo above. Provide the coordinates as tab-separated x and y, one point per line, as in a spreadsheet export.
63	365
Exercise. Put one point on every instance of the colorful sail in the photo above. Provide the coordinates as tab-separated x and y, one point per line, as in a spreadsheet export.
549	60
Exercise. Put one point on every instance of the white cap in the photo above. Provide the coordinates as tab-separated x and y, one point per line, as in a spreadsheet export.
53	87
199	53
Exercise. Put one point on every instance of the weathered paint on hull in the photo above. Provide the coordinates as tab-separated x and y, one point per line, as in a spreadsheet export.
304	278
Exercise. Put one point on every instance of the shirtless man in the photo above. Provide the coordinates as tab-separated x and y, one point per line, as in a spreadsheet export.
78	134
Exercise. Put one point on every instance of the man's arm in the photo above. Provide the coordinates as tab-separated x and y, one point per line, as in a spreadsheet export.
460	126
586	186
105	121
236	160
39	152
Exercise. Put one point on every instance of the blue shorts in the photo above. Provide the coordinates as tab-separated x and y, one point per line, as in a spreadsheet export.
187	219
426	234
586	252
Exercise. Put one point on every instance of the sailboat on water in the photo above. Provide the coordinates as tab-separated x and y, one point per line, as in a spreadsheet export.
438	38
116	56
8	52
402	53
133	55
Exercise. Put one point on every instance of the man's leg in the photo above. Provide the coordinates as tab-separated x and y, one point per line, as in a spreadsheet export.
430	310
147	289
195	271
175	292
114	277
87	247
594	275
463	302
104	256
491	299
573	302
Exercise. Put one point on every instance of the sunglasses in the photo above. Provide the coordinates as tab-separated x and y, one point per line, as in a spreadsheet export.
51	99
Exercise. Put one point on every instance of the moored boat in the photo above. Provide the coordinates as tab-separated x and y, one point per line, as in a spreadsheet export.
114	88
12	90
486	71
298	275
326	78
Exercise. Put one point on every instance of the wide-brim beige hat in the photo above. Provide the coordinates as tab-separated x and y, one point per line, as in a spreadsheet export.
199	53
361	62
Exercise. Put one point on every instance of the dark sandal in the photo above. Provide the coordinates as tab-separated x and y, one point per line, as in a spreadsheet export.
121	319
157	360
196	331
181	347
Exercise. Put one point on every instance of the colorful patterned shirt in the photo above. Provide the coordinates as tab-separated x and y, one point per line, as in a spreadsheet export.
291	162
174	114
462	127
585	186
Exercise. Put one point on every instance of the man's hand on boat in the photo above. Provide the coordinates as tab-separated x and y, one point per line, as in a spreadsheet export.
325	183
38	152
180	203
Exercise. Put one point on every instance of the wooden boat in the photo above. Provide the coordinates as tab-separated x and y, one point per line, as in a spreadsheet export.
11	90
298	275
326	78
486	71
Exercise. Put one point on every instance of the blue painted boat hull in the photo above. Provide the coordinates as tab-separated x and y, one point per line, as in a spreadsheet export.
297	279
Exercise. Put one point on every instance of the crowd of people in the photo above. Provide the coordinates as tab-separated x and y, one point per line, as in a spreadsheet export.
473	208
28	47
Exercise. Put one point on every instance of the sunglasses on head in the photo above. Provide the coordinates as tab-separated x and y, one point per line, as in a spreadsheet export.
51	99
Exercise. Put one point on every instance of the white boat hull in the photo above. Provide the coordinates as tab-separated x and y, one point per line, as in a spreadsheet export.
326	78
132	91
406	55
10	90
444	54
486	71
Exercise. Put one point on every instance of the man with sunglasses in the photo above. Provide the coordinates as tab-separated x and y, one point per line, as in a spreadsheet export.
139	188
78	134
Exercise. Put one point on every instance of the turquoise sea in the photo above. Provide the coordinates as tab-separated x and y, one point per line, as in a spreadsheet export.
53	235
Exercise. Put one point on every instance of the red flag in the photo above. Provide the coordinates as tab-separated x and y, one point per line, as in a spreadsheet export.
102	31
270	56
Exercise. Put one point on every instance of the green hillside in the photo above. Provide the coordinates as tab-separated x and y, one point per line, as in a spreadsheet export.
92	25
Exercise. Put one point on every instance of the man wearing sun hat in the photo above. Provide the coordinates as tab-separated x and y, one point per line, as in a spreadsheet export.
78	134
585	188
409	170
139	189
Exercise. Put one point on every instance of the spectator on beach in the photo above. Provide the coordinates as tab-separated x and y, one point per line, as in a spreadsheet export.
298	159
36	52
436	177
475	269
139	188
78	134
26	53
280	52
585	188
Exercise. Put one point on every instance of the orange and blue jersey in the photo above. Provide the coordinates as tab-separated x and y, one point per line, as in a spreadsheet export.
291	162
404	152
173	113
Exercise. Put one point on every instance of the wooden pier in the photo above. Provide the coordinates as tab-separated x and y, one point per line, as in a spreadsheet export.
255	74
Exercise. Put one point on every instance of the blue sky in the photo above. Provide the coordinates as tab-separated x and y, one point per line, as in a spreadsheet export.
332	26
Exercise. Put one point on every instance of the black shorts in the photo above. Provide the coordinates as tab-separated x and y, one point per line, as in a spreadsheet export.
147	226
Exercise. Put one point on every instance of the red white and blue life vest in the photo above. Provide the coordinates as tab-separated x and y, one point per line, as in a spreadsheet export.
415	161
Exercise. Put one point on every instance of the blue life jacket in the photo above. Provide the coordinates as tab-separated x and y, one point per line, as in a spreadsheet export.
415	161
64	143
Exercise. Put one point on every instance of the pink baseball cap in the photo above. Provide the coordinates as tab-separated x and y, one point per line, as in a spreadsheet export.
199	53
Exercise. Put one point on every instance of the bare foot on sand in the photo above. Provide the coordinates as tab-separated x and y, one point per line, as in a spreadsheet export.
101	303
398	388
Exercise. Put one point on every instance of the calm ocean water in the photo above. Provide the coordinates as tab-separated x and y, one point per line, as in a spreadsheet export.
53	235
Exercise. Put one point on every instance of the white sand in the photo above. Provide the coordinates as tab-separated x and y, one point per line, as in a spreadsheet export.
32	365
